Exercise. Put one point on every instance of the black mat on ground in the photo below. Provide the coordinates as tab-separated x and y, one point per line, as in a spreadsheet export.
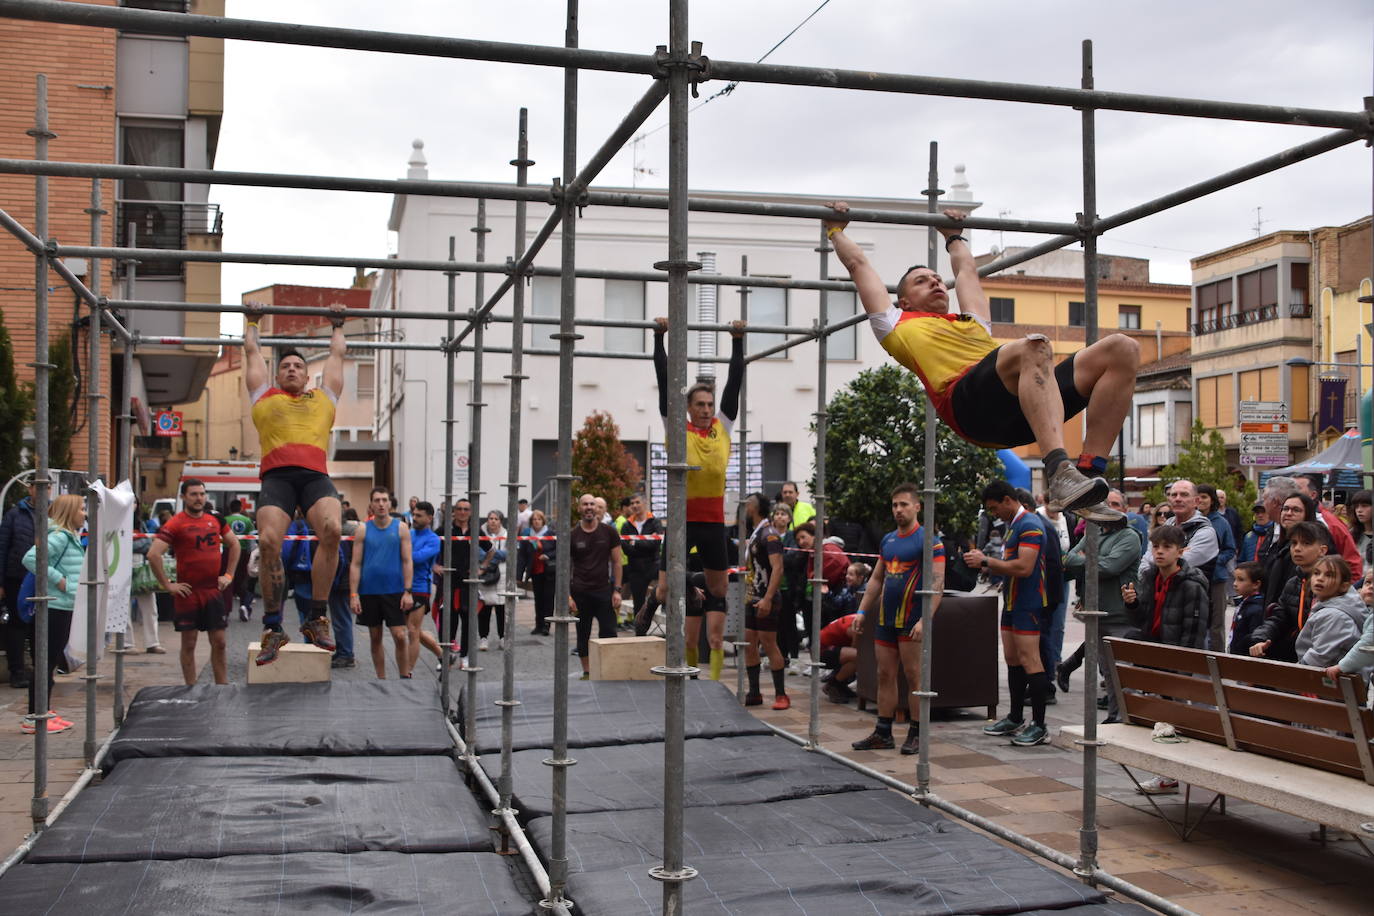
1095	909
609	712
343	718
619	838
368	882
719	771
957	871
228	806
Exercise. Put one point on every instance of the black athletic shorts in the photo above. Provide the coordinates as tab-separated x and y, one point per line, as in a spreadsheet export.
293	488
204	609
709	539
988	414
769	624
381	609
421	604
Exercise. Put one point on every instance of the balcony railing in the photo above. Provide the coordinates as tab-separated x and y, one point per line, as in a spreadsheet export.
165	224
1251	316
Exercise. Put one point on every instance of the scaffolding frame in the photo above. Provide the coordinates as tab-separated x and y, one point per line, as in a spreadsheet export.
676	69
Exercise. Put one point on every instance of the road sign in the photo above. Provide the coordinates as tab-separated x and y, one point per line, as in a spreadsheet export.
1274	461
1263	412
1264	428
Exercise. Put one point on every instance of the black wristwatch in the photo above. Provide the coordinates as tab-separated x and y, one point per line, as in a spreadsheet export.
985	562
954	238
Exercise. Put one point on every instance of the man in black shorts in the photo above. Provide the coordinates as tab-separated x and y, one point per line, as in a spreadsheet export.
594	593
294	424
708	453
999	396
196	538
763	607
379	581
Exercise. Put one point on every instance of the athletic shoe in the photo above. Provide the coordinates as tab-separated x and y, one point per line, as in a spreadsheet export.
1061	677
1098	512
156	650
1111	720
272	641
54	726
482	644
912	744
1006	726
56	718
1031	735
316	631
244	613
753	699
837	693
1070	489
1158	785
586	676
340	661
782	701
875	742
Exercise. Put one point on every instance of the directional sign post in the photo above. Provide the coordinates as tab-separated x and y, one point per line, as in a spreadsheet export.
1264	433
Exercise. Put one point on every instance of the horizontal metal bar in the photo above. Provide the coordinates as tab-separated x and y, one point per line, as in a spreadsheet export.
158	23
426	188
301	343
810	334
298	260
581	353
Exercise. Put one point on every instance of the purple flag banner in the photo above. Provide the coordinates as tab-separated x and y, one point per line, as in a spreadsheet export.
1331	407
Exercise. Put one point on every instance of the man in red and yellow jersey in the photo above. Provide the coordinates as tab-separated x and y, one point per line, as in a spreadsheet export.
998	396
708	450
294	424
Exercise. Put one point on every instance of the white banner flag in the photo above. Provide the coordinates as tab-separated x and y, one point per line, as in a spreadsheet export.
110	545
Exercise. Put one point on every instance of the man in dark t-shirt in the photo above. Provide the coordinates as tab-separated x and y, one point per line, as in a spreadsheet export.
594	593
196	538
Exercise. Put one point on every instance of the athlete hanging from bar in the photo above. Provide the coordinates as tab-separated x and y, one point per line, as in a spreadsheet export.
294	424
998	396
708	450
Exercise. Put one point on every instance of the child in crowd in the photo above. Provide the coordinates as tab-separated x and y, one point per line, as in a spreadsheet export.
1337	617
846	600
1360	659
1258	536
1276	637
1171	606
1249	586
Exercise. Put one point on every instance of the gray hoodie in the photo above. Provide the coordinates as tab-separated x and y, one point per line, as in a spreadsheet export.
1331	630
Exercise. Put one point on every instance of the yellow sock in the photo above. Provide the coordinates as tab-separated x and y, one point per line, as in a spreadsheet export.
691	656
717	662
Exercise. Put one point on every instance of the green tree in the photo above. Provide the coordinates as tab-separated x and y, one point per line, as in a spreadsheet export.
16	406
599	458
875	439
1202	459
61	402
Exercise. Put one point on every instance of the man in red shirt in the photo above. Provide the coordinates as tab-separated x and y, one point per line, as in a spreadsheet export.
196	538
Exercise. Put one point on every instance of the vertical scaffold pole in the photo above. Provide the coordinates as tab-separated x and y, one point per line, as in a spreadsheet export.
813	734
742	436
1091	613
508	702
928	589
93	429
475	493
126	457
562	491
449	580
38	714
673	871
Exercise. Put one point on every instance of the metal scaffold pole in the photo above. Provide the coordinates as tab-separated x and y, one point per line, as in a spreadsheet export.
95	568
126	458
508	702
677	63
929	589
742	436
475	493
38	711
562	490
818	497
446	619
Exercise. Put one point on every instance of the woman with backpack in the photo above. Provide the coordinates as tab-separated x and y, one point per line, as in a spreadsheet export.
66	557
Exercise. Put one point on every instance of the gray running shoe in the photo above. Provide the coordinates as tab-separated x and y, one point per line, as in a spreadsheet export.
1031	735
1069	489
1003	727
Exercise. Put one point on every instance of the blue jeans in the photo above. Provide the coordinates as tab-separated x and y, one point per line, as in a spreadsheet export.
340	618
1052	639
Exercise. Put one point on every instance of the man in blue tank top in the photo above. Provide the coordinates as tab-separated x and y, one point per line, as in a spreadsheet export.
379	581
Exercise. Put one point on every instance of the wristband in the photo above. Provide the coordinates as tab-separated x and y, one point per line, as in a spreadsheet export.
353	594
830	233
954	238
252	323
985	562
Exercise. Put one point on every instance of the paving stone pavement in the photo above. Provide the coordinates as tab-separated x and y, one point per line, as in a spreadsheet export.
1251	860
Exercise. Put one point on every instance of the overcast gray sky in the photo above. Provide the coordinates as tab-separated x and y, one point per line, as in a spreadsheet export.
293	109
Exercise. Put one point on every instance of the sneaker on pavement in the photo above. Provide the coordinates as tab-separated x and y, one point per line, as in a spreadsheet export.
244	613
339	661
1158	785
875	742
156	650
836	693
912	744
586	676
1070	489
316	632
272	641
1002	727
782	701
753	699
482	644
1031	735
55	725
1061	677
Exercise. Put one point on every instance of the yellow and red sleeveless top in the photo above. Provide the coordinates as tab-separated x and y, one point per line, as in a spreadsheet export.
709	450
294	429
939	348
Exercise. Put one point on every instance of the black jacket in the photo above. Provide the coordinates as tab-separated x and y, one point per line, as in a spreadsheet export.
1284	619
16	537
642	556
1183	618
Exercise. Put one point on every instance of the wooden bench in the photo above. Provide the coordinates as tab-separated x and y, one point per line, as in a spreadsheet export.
1279	735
